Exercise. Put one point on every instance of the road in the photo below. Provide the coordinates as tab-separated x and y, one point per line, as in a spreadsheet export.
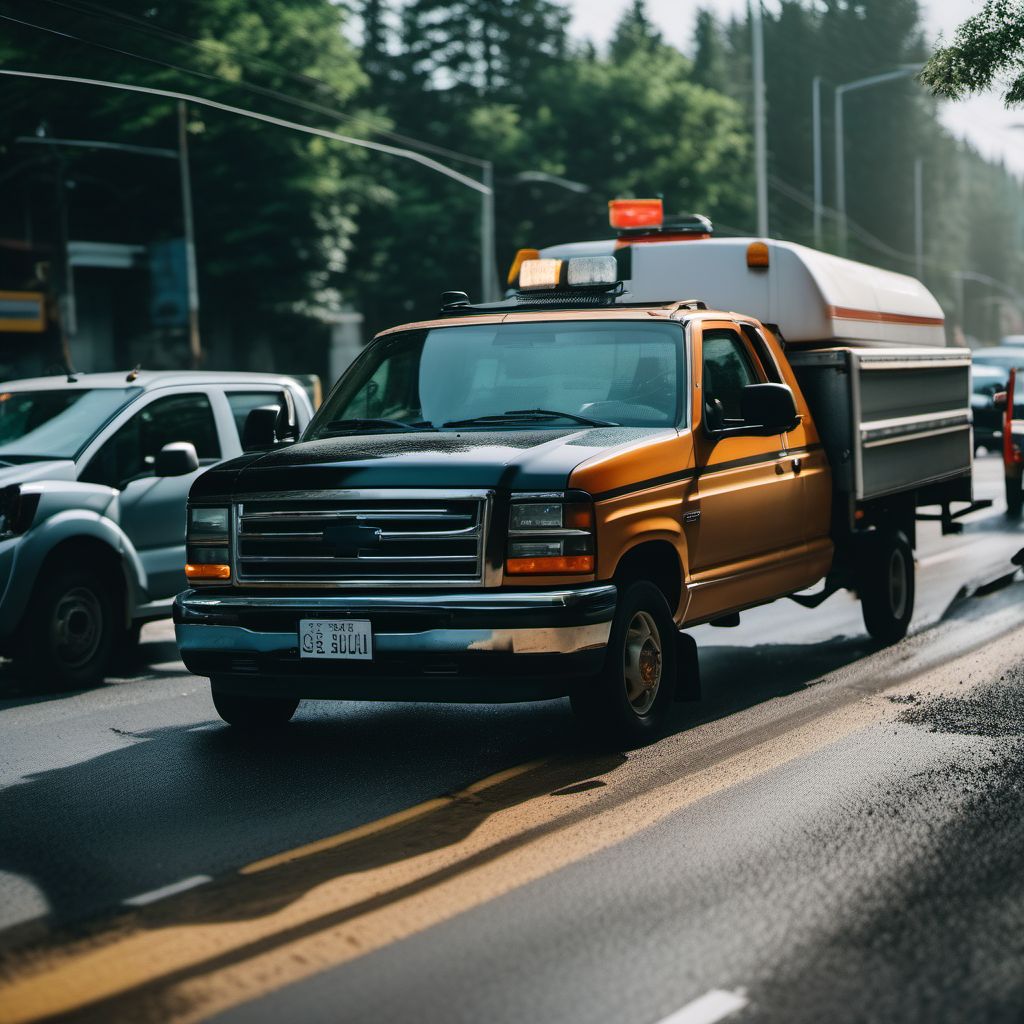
833	832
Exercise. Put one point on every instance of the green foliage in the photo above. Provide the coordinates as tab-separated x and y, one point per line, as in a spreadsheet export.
987	48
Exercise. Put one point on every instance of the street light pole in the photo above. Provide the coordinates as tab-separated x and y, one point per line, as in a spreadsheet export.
919	217
841	91
191	276
819	200
760	132
488	259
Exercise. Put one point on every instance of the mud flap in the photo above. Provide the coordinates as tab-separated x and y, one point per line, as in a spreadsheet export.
688	669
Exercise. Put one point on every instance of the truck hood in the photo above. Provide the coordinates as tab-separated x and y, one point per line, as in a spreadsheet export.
25	472
510	459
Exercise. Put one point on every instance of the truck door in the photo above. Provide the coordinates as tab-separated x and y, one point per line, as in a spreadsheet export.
153	508
747	543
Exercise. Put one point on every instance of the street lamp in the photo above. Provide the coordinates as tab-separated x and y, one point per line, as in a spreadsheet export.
841	90
552	179
488	264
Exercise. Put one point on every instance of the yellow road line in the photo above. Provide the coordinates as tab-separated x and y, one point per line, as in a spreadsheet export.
385	823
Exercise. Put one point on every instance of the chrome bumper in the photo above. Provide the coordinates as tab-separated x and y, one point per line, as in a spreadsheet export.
567	621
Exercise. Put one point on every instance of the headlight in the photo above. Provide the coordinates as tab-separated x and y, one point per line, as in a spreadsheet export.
552	537
207	544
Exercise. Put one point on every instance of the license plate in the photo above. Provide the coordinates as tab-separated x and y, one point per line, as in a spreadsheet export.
346	639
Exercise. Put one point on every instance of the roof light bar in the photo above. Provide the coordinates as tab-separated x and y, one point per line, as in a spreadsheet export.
536	275
590	271
636	213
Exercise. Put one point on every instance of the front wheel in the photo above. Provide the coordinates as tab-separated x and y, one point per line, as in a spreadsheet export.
1014	495
68	633
629	703
887	585
254	712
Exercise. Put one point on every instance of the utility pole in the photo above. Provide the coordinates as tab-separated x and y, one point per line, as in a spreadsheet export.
760	139
192	278
488	262
819	202
919	217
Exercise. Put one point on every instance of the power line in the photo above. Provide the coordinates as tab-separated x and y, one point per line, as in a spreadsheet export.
207	46
280	122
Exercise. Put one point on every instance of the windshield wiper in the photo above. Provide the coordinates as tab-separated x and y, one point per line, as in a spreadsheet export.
530	416
352	425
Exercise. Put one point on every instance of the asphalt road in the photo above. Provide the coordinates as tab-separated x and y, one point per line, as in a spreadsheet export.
834	832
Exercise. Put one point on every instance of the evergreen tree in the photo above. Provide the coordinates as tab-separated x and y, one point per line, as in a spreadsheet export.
635	33
710	67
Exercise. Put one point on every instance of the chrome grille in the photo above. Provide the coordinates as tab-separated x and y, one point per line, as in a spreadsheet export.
361	538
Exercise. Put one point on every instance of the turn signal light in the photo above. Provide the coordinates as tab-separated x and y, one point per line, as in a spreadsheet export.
205	571
757	255
550	565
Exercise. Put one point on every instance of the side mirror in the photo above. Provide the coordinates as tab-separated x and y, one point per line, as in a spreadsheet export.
260	430
176	459
769	407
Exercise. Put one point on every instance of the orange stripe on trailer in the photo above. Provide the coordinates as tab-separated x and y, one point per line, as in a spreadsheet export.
874	316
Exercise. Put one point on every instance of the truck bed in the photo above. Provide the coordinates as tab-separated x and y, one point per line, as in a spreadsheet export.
892	420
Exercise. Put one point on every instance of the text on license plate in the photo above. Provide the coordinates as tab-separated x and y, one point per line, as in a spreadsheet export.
336	638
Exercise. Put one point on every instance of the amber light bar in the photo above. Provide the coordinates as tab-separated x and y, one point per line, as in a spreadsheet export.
550	565
207	571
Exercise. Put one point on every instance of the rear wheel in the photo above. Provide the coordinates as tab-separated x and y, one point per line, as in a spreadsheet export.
254	712
1014	495
68	632
887	585
629	703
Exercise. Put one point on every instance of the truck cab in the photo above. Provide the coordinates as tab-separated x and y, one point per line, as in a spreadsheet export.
529	500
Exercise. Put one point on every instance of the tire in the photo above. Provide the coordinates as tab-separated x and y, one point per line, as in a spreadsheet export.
629	703
887	585
254	713
68	633
1014	496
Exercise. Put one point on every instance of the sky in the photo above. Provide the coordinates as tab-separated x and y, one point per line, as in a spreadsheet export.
982	120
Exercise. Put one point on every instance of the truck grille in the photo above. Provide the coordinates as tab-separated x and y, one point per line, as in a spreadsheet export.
361	539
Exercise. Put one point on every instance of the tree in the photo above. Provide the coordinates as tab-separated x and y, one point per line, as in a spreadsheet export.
988	47
710	67
635	33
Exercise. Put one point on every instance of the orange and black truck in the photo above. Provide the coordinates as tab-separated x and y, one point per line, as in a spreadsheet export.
535	498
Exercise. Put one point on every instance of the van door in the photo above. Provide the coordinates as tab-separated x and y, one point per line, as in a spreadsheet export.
746	545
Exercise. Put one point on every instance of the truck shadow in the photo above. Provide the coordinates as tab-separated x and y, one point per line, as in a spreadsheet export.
151	660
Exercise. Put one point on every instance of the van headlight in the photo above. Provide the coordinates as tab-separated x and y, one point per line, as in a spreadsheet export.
208	543
551	536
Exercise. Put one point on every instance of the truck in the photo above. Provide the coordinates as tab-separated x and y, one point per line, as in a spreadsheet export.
537	498
95	470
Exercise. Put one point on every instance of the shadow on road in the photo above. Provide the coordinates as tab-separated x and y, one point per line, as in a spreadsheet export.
147	661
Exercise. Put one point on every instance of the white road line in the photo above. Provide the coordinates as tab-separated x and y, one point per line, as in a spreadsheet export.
710	1007
167	890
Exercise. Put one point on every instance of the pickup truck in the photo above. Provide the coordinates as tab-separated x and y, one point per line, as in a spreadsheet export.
532	499
94	474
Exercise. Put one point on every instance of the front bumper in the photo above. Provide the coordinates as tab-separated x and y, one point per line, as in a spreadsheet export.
477	647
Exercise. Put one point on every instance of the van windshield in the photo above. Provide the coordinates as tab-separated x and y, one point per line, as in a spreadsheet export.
55	423
533	375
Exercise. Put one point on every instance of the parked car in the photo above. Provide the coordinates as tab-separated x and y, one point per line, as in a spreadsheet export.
1013	340
986	381
1004	357
95	471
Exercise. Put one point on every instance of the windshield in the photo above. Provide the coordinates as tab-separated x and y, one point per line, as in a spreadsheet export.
1004	360
507	376
55	424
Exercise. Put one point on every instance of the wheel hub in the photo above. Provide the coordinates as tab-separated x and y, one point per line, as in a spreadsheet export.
642	662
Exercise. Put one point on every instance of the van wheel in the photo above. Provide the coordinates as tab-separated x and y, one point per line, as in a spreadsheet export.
629	703
68	632
1014	495
254	712
887	585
